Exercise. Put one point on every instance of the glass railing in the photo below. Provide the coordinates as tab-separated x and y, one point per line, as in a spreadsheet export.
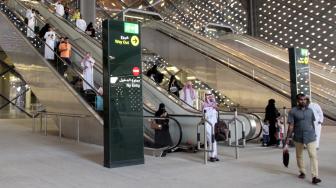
150	59
69	72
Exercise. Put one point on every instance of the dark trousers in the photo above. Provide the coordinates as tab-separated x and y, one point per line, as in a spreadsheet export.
63	67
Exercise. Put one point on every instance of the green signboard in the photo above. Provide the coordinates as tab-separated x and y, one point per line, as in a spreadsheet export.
123	114
299	72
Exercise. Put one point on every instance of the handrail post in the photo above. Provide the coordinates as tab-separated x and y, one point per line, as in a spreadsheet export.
205	144
33	126
41	117
46	124
60	127
236	134
78	130
243	134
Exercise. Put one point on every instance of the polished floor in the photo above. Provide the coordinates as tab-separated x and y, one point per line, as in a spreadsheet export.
33	160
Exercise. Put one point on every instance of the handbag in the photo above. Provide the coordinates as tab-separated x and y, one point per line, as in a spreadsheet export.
173	89
155	126
220	130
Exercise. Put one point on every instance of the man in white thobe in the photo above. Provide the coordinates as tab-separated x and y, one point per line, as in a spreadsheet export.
87	65
211	115
81	24
188	94
59	9
31	24
50	38
318	113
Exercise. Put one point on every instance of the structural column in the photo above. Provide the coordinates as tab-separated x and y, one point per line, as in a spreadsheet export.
88	10
251	12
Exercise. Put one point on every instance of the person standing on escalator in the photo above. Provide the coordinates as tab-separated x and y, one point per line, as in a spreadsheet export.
65	50
162	136
59	9
211	115
174	87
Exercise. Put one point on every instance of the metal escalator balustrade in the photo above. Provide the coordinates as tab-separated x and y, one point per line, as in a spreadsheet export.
150	59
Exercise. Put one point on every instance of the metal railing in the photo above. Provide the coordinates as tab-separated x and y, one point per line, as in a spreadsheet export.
205	150
44	115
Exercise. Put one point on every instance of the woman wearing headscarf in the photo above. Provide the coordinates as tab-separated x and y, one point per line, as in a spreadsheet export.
271	115
211	115
173	86
162	136
43	31
90	30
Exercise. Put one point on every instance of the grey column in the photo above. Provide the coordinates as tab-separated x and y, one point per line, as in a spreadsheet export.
88	10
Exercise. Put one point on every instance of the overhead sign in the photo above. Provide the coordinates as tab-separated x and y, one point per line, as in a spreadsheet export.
132	28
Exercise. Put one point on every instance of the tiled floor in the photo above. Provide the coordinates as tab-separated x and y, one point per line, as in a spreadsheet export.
32	160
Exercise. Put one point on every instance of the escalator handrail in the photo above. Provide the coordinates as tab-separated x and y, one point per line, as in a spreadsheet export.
179	128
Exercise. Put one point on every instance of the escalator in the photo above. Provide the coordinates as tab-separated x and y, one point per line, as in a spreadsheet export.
154	94
270	74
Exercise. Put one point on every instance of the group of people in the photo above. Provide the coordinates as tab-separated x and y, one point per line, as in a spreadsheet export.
76	17
186	93
162	136
304	124
62	48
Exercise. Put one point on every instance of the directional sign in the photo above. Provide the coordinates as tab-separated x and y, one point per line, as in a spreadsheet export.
123	113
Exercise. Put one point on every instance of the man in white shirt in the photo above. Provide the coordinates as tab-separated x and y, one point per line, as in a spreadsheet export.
59	9
81	24
318	113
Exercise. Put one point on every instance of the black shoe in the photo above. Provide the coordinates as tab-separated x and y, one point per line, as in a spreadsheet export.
164	154
316	180
216	159
302	175
212	159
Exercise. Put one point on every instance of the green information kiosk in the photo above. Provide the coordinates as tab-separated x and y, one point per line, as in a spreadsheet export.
299	72
123	105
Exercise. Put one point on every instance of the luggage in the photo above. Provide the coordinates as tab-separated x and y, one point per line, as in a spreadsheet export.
220	130
99	103
285	156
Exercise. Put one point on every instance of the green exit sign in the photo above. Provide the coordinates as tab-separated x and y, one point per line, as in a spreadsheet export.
131	28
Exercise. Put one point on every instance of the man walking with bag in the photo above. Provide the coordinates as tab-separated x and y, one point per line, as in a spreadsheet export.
301	122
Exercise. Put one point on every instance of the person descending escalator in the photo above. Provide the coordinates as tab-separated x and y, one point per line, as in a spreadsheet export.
43	30
154	74
59	9
173	86
81	24
162	136
31	23
189	94
65	50
87	64
50	38
90	30
211	115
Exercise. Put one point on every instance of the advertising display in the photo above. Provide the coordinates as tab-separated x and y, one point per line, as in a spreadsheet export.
123	105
